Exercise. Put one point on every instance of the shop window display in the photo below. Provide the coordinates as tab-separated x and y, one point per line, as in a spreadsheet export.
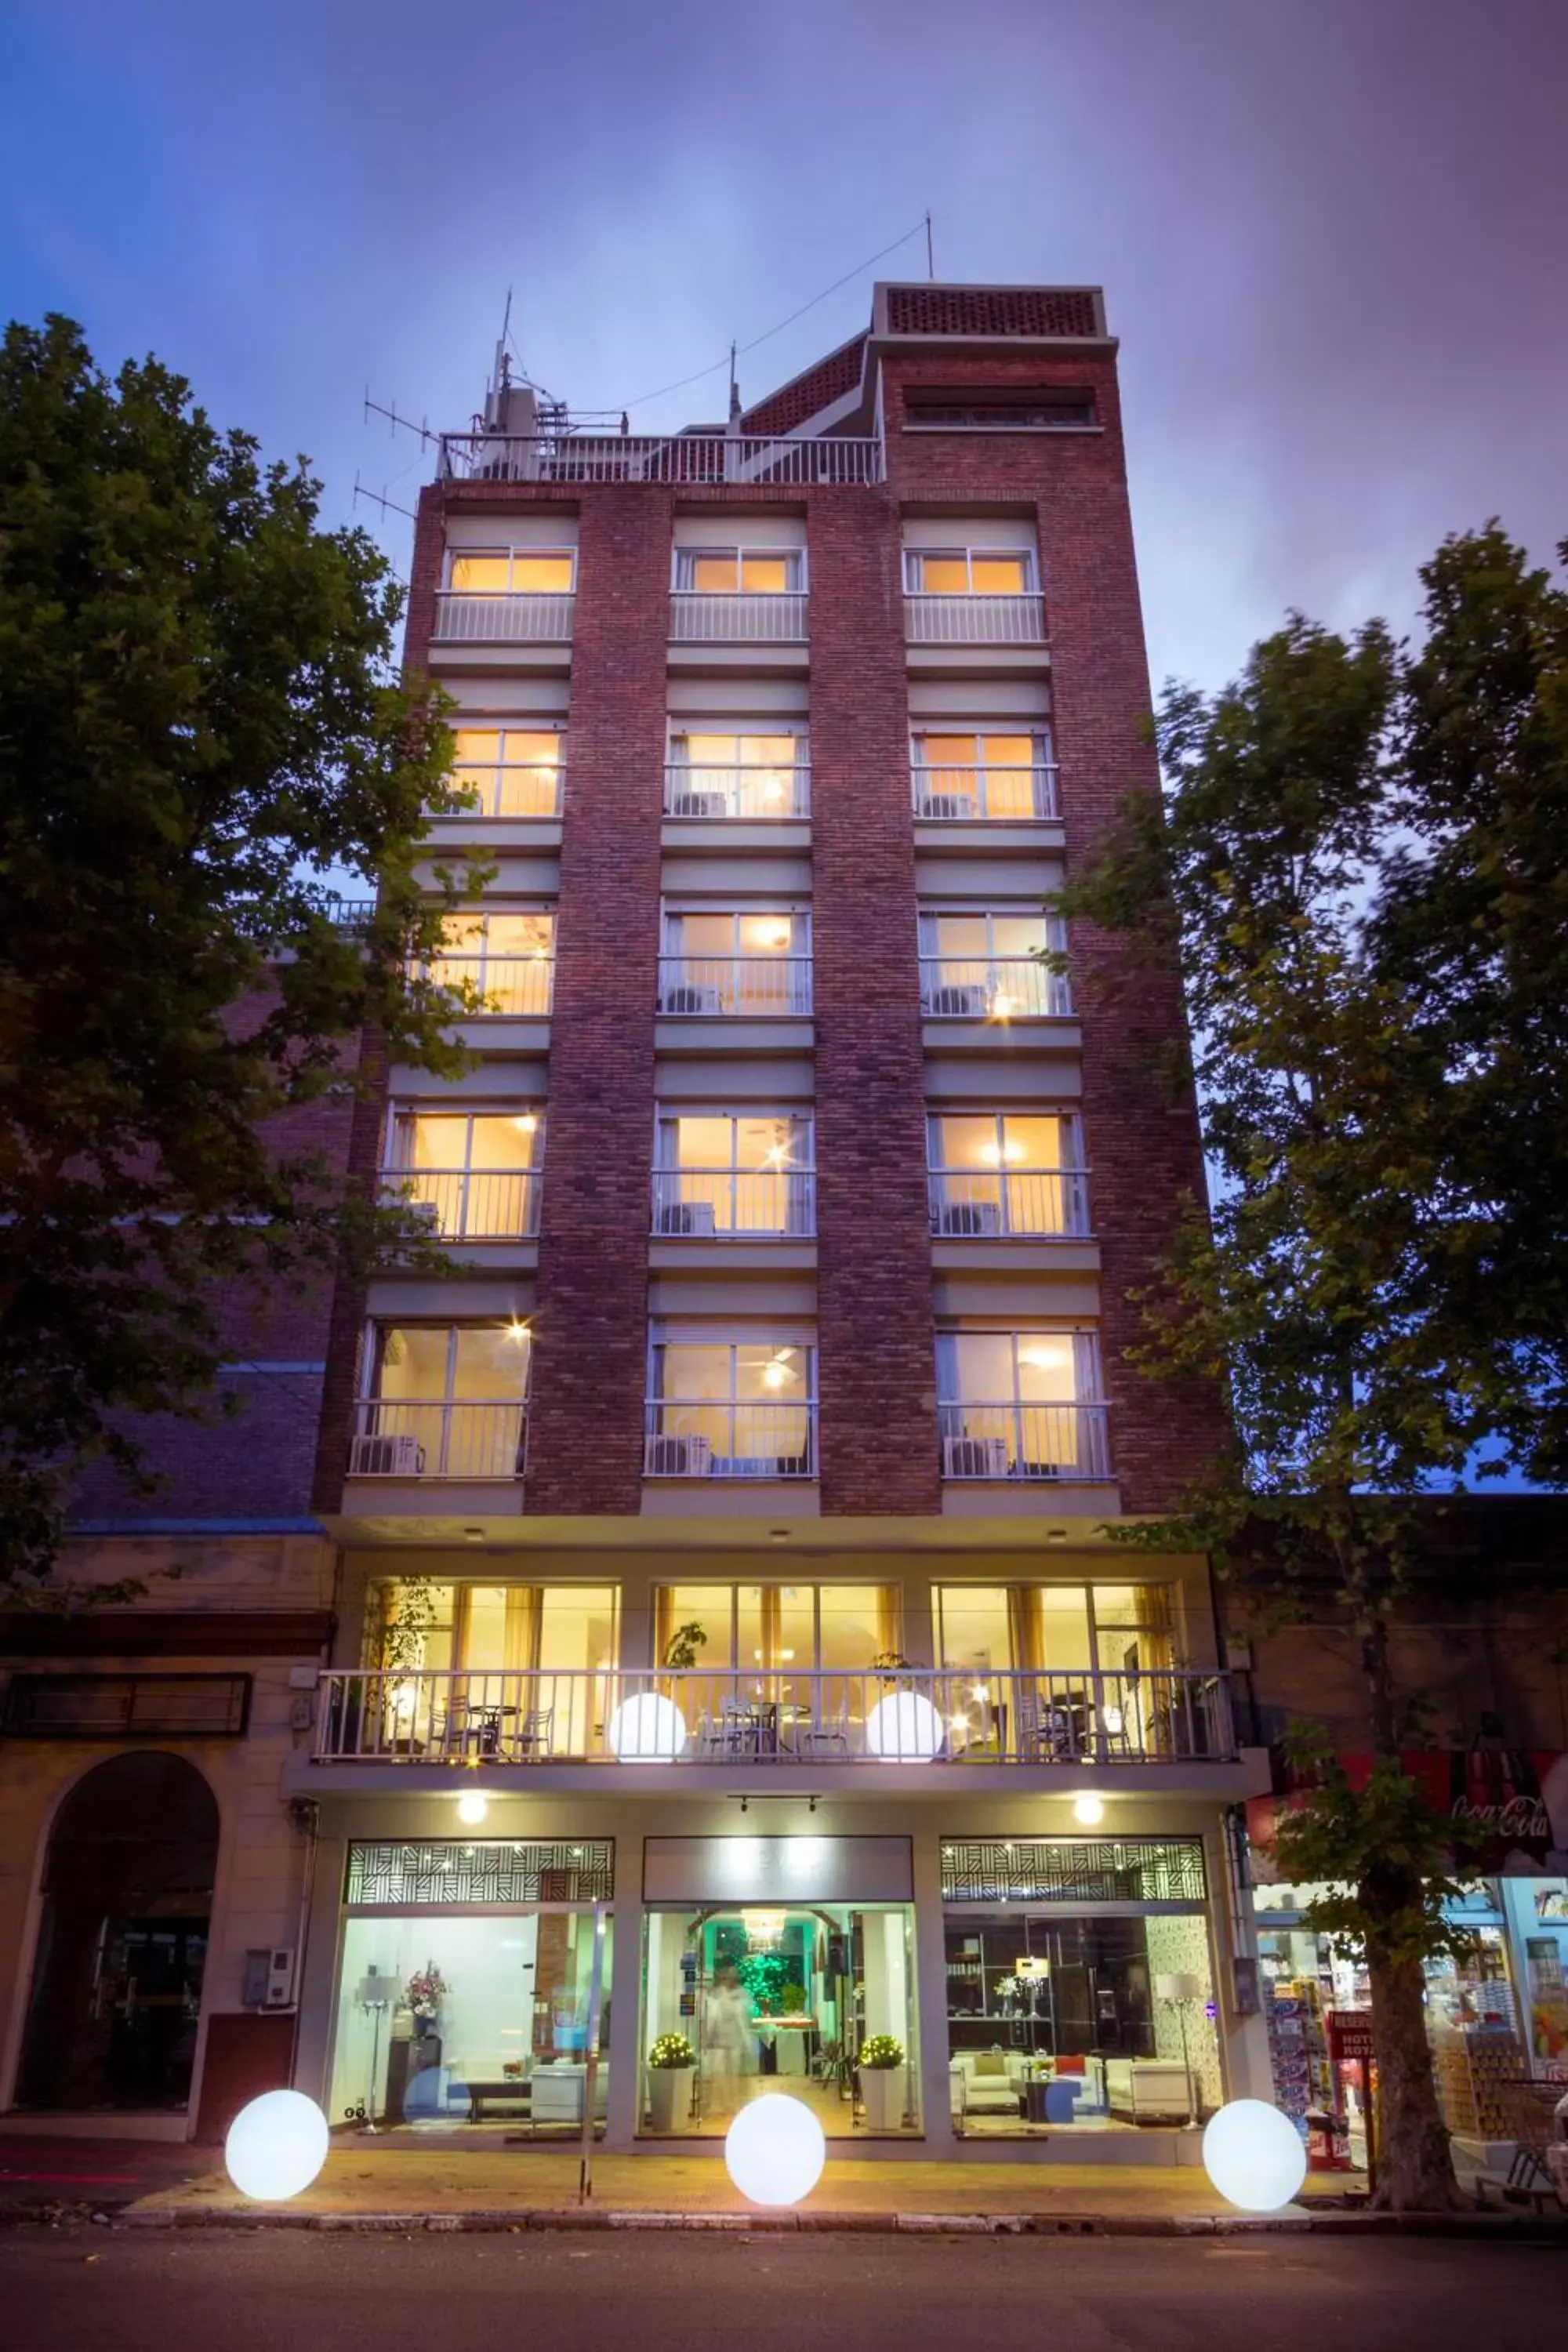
779	1999
447	2022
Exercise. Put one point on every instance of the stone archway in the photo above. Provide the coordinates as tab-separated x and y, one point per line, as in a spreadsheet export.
117	1976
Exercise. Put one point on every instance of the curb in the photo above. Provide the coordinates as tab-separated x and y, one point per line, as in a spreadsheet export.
1508	2228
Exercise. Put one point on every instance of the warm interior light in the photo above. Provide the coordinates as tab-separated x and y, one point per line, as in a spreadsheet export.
527	1124
1001	1005
991	1153
517	1332
958	1723
779	935
473	1806
1089	1810
982	1691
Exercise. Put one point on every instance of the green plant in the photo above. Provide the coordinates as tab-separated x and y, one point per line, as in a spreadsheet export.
684	1644
880	2054
794	1999
408	1612
671	2050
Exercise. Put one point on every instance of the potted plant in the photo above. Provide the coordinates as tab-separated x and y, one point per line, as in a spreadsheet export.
684	1644
423	1993
881	2069
669	2068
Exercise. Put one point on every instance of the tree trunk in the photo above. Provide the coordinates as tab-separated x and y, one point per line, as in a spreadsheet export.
1414	2169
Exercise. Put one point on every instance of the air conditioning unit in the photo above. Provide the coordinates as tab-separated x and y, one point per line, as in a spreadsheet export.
386	1457
700	804
427	1211
947	804
684	998
679	1457
958	1004
973	1217
974	1458
685	1217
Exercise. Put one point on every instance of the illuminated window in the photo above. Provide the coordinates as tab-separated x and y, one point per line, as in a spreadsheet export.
1019	1403
506	956
731	1407
509	771
968	572
996	1172
832	1628
1007	777
734	1172
739	570
512	572
476	1173
746	775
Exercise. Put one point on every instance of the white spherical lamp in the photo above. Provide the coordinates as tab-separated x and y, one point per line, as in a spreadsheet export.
904	1728
646	1729
473	1806
1254	2156
775	2150
276	2146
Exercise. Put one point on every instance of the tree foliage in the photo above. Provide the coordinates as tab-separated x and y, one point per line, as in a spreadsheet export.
1359	870
198	722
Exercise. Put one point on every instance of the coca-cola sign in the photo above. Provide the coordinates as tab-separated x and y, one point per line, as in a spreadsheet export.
1514	1801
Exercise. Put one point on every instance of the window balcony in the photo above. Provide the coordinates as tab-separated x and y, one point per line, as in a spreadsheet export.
1065	1443
743	795
518	988
533	617
742	988
976	620
995	988
441	1438
729	1439
734	1203
701	618
1017	1203
946	1718
493	1204
985	795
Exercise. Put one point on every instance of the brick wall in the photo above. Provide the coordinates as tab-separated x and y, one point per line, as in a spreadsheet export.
585	1418
876	1365
1142	1146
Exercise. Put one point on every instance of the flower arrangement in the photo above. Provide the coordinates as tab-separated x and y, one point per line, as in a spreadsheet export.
880	2054
673	2050
425	1991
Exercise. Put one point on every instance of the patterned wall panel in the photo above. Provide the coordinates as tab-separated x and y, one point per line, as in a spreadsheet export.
454	1870
1073	1870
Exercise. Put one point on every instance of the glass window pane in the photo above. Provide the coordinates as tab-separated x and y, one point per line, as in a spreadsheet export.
943	575
1063	1620
975	1628
766	934
521	935
435	1142
794	1635
695	934
961	937
540	750
481	576
857	1623
766	1375
766	750
537	575
966	1140
982	1367
1016	935
702	1142
696	1369
476	743
1045	1368
751	1627
413	1362
504	1141
1030	1141
1007	750
767	575
714	576
490	1363
935	750
484	1634
709	750
999	575
707	1606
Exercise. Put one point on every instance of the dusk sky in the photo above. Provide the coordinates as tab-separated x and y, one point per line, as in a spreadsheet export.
1332	234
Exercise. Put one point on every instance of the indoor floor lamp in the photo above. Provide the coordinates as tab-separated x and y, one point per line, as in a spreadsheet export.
373	1994
1179	1987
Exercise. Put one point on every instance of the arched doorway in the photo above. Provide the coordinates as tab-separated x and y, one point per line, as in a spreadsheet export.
117	1980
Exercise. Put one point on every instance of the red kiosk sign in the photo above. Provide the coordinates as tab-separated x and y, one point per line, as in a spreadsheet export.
1350	2036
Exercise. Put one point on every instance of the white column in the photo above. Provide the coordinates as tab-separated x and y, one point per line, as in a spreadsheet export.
626	1998
931	1994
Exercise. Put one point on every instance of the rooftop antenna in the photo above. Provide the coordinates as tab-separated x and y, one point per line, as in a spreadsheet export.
500	384
379	498
735	390
930	257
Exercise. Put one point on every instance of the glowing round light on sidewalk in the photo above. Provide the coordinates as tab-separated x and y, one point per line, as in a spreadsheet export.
473	1806
775	2150
648	1729
1254	2156
276	2146
904	1728
1089	1810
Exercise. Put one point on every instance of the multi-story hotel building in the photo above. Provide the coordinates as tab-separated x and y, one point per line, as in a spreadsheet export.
728	1640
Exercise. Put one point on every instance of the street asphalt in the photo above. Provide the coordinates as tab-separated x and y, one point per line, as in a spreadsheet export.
86	2289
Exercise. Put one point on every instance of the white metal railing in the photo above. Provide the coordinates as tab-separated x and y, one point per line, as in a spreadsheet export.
753	795
688	1438
1021	1201
732	1204
992	988
1063	1443
779	619
409	1437
764	1717
694	458
974	620
470	1203
535	617
520	987
518	788
738	987
994	796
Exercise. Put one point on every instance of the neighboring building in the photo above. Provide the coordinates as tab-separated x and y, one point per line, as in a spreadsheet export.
153	1871
728	1643
1480	1644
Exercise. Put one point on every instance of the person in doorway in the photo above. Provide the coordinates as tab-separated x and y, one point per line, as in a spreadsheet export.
727	2042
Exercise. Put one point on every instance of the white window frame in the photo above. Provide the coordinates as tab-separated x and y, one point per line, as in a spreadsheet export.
478	723
798	950
915	557
663	1335
401	1116
513	555
1068	1120
1088	1388
375	1332
685	559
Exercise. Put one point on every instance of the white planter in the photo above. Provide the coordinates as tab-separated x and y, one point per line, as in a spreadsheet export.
882	2094
669	2098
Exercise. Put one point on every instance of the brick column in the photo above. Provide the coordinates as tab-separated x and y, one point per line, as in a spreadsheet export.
877	1371
585	1414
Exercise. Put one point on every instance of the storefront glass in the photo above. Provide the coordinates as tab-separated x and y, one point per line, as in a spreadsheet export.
478	2011
780	1997
1079	1989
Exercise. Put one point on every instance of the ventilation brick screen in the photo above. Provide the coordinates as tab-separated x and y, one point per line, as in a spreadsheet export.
990	310
1073	1870
455	1870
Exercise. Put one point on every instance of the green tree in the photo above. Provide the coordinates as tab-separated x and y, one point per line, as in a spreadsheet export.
198	721
1335	1281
